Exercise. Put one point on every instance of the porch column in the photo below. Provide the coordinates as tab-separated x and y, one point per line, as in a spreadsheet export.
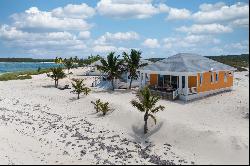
186	86
180	83
141	79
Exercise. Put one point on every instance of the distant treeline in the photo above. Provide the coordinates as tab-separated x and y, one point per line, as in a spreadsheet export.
238	61
25	60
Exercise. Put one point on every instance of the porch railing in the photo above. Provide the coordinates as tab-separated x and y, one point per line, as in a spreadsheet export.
96	81
176	93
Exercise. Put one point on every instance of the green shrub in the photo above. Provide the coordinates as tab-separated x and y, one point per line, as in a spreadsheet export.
101	106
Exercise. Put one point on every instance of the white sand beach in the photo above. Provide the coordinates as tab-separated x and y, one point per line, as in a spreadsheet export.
40	124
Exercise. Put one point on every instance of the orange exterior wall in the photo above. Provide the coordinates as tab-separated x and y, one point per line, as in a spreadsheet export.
192	81
207	85
153	79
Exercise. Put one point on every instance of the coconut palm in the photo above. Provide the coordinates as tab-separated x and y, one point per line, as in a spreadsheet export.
133	64
112	66
57	73
79	87
147	103
68	63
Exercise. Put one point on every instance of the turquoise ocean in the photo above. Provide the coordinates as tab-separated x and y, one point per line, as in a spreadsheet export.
24	66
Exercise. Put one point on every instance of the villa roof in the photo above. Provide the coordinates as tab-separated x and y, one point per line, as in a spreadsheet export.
96	63
186	62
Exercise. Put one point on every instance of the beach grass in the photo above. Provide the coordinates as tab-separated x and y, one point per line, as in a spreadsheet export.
22	75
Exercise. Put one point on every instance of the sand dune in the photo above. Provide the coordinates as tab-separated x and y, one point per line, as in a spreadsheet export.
40	124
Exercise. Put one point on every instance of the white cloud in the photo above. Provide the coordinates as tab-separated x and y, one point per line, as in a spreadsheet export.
34	18
189	41
151	43
129	9
119	36
205	28
206	7
177	14
109	48
243	45
39	41
82	11
104	48
84	35
212	13
240	23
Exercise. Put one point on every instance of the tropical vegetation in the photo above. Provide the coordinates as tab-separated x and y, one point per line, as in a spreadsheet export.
112	66
57	74
100	106
147	104
79	87
133	63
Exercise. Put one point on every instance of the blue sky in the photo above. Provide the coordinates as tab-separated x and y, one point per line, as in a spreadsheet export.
159	28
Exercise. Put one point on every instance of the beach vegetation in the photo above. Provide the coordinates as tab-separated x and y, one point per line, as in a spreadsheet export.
79	87
112	66
100	106
68	63
147	104
22	75
133	64
56	74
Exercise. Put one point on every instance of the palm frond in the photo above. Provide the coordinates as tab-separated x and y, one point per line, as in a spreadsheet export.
153	117
138	105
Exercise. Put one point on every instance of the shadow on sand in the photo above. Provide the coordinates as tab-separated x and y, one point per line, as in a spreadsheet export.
48	86
139	136
116	91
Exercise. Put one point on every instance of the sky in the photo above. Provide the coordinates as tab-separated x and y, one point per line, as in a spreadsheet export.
158	28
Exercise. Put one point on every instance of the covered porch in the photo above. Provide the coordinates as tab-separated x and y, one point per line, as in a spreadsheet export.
170	85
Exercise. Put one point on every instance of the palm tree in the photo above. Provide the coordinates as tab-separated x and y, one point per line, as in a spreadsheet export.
57	73
68	63
133	64
76	59
147	103
112	66
79	87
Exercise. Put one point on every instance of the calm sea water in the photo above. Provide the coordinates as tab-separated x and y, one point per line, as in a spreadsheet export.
23	66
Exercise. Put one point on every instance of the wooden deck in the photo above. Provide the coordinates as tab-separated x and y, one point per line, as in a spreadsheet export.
167	95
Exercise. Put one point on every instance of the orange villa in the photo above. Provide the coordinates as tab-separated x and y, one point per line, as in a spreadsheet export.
187	76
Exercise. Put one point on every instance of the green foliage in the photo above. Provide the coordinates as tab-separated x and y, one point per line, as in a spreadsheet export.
97	104
21	75
57	73
133	64
25	60
79	87
147	103
237	61
68	63
155	59
39	69
112	66
101	106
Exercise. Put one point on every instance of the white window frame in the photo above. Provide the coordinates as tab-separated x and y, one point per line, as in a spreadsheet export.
216	76
225	76
212	77
201	79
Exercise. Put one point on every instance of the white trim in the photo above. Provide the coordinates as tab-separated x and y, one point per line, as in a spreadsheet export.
180	73
203	94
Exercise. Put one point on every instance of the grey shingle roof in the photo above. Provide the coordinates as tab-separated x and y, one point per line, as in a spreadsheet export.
186	62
